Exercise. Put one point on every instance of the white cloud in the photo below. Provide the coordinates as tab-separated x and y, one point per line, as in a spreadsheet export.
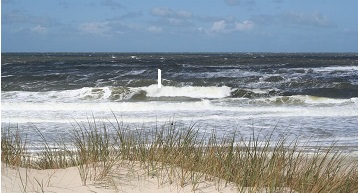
162	11
154	29
39	29
169	17
313	19
218	26
167	12
184	14
19	16
175	21
244	26
99	28
227	26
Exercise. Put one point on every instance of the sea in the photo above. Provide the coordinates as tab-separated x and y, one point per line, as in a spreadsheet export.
309	96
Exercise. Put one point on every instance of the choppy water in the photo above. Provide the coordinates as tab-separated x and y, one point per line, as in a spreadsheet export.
313	96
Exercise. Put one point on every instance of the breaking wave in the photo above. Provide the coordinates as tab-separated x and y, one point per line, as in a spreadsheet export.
171	93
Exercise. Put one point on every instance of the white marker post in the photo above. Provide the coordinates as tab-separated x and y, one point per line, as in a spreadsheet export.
159	78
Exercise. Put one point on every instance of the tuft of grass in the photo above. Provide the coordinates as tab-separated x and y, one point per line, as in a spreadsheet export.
54	154
186	157
95	154
14	148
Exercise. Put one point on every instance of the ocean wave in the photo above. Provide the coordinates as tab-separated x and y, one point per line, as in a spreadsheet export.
151	106
188	91
254	93
336	68
171	93
118	94
6	76
56	110
303	100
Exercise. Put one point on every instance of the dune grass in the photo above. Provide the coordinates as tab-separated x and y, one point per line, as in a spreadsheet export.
187	157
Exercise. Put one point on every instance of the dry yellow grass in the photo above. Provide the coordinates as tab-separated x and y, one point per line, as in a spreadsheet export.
183	157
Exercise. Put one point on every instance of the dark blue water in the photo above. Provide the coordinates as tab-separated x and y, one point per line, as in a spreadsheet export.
328	75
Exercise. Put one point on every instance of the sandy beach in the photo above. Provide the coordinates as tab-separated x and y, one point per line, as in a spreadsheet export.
68	180
122	179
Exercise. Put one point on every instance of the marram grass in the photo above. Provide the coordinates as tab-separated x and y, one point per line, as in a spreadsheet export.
186	157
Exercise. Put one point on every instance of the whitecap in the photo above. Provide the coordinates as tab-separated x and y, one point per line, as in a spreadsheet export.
188	91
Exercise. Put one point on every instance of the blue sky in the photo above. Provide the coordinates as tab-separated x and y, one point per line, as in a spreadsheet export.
179	26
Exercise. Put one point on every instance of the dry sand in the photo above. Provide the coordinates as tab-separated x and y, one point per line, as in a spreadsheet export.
122	179
68	180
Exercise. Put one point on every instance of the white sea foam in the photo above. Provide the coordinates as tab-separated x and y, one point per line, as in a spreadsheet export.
221	113
354	100
103	94
135	57
204	106
5	76
117	106
188	91
307	99
134	72
76	95
323	100
302	100
336	68
222	73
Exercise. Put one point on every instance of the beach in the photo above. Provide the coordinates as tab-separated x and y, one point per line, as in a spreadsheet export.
68	180
220	122
228	96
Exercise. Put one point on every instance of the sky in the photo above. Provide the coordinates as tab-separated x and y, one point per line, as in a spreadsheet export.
179	26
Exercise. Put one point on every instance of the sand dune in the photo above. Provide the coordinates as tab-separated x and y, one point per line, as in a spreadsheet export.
128	180
69	180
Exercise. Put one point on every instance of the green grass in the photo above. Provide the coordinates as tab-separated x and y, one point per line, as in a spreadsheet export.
186	157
